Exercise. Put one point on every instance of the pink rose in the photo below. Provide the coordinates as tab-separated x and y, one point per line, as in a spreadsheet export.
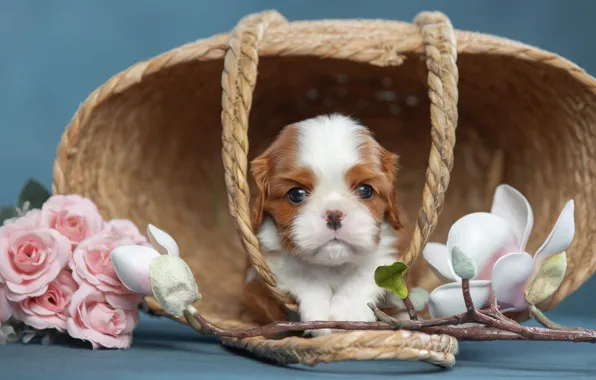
30	260
49	310
31	219
100	319
73	216
126	228
5	308
91	262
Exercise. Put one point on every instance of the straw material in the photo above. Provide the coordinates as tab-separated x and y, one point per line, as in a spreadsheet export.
357	345
148	145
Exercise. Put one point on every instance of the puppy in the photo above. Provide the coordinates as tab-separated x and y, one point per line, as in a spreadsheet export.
326	211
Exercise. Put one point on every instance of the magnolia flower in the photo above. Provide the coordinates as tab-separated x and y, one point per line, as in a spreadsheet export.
157	271
496	242
131	262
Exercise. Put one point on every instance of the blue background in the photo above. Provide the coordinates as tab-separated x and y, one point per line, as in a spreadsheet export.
54	53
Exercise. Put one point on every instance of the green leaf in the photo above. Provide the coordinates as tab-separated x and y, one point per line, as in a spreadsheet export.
7	213
463	265
391	277
34	193
547	280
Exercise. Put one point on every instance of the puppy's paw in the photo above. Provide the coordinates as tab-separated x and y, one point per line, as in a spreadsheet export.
315	309
349	309
316	333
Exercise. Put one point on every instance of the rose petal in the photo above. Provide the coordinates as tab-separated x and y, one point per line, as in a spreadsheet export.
560	237
107	341
14	292
94	320
512	206
96	338
510	275
131	263
76	332
85	290
447	300
5	309
437	255
107	282
124	301
35	308
52	252
483	237
163	242
57	322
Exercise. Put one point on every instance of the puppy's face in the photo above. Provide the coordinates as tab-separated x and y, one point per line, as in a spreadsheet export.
326	187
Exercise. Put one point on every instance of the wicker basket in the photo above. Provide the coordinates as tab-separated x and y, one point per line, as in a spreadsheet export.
147	145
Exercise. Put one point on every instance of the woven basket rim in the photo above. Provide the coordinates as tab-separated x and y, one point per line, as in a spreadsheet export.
468	42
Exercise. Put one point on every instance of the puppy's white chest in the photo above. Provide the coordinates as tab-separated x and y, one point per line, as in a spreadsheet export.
295	276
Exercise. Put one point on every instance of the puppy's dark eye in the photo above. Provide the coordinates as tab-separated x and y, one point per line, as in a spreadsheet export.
364	191
297	195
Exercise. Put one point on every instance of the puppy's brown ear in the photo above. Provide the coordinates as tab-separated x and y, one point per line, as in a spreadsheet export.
389	165
260	169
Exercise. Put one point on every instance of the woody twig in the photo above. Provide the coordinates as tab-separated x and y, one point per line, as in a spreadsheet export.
489	324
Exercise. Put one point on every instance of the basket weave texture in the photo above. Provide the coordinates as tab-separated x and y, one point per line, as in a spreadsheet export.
148	145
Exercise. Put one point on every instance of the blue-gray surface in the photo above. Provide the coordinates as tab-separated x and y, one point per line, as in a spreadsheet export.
164	349
55	53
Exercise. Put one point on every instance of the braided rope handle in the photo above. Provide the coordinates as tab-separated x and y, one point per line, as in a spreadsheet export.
441	56
238	82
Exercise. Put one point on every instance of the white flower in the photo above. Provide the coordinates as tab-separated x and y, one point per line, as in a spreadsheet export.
158	272
132	262
496	241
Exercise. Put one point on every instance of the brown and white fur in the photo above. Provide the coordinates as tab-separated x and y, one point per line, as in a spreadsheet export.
329	243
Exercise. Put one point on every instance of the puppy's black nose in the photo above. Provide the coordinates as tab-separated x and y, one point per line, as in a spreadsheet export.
334	219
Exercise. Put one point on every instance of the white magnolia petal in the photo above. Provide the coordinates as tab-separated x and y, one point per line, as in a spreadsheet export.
483	237
510	275
162	241
560	237
437	255
448	299
131	263
512	206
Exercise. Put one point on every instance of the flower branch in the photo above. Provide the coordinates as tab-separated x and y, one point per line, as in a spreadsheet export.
489	323
202	325
543	319
410	308
174	287
493	329
496	325
470	307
